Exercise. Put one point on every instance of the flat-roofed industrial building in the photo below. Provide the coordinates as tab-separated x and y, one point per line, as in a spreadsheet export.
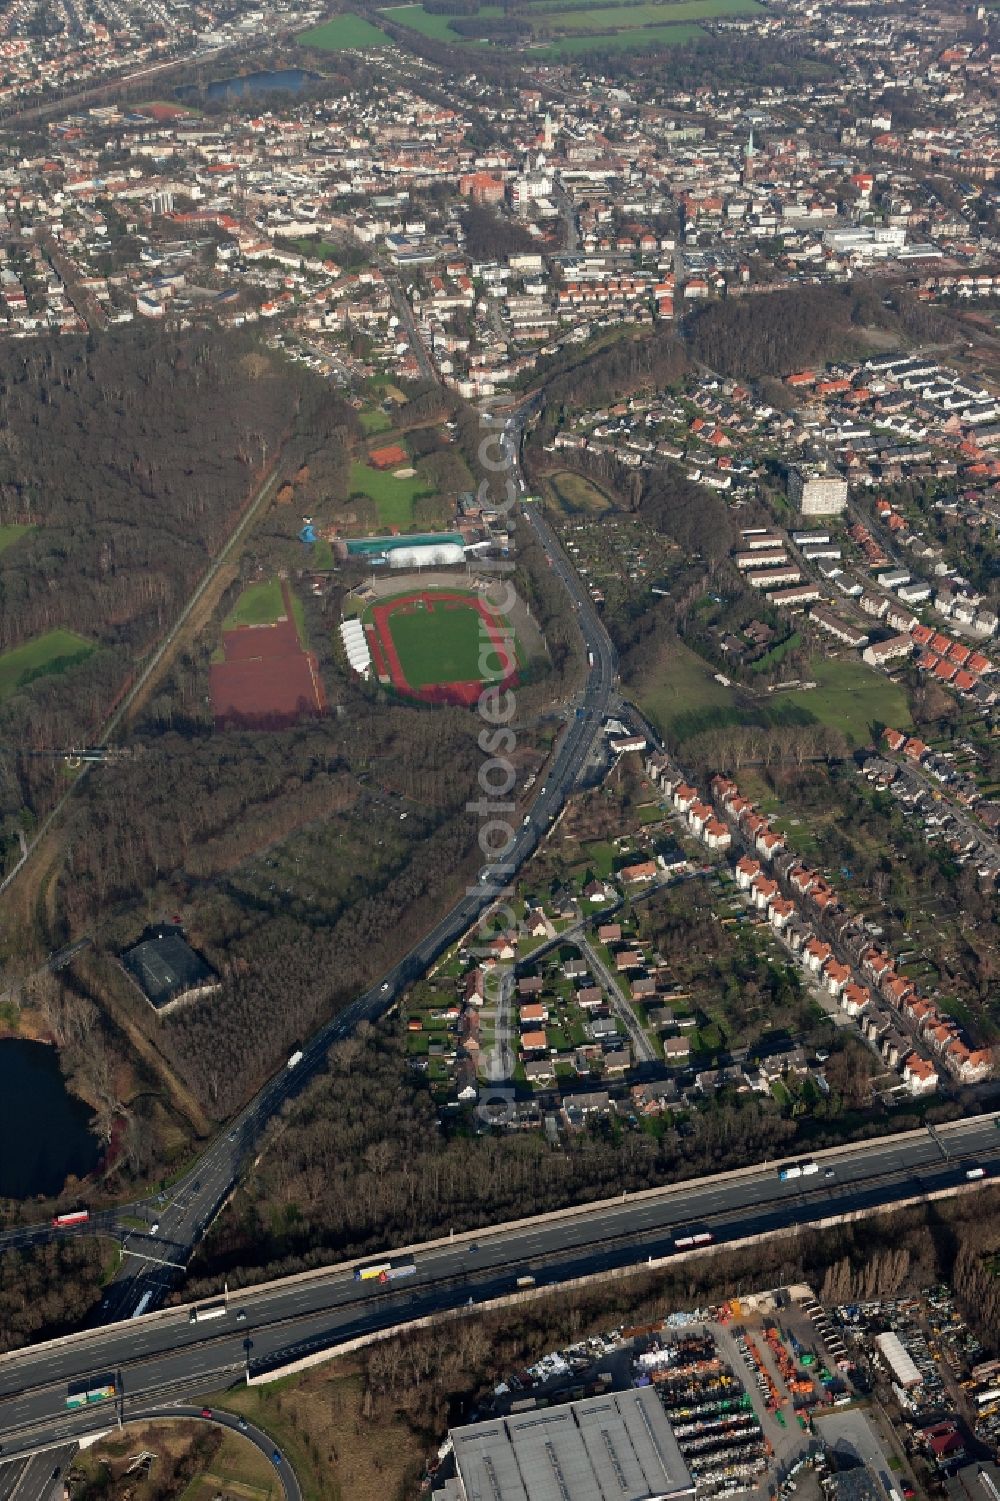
618	1447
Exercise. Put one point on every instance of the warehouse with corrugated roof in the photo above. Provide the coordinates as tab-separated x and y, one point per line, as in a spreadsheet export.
618	1447
899	1360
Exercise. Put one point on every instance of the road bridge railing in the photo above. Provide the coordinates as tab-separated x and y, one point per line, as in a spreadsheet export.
332	1348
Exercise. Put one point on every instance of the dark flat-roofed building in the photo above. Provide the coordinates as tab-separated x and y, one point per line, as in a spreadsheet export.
618	1447
166	968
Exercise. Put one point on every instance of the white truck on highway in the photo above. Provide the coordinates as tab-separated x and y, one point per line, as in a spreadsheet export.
208	1311
296	1058
797	1170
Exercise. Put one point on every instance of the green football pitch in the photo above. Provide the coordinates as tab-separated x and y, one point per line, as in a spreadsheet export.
441	644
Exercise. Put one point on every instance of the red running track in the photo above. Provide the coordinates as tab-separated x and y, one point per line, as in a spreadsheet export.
462	693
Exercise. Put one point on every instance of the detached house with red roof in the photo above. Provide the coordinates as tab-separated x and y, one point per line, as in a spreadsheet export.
919	1075
769	844
685	797
717	836
781	913
836	976
764	891
816	953
854	998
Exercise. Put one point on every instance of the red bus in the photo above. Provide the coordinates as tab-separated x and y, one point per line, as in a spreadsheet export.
78	1217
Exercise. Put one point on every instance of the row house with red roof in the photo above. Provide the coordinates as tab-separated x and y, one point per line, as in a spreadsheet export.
940	1034
817	956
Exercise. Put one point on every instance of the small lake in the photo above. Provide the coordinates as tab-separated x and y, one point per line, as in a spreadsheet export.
285	80
43	1129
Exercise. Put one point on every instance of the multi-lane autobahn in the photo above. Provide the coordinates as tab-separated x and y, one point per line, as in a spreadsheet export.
165	1356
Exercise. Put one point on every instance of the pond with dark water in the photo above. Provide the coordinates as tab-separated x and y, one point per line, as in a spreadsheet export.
283	81
44	1130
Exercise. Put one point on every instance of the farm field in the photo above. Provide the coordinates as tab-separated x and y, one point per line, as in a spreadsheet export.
680	690
437	27
393	497
343	34
646	13
51	653
621	41
621	26
682	697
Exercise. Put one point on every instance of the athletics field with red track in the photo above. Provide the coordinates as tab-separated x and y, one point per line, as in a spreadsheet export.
487	636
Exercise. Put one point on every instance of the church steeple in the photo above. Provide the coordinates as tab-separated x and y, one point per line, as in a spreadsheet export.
748	158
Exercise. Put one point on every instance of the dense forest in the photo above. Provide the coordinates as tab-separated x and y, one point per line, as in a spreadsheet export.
129	456
182	825
777	333
48	1290
577	378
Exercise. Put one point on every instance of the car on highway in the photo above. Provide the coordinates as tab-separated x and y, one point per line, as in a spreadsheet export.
384	986
154	1227
206	1412
241	1316
829	1173
276	1456
243	1425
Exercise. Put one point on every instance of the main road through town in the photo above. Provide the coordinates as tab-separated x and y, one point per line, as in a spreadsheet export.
167	1356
